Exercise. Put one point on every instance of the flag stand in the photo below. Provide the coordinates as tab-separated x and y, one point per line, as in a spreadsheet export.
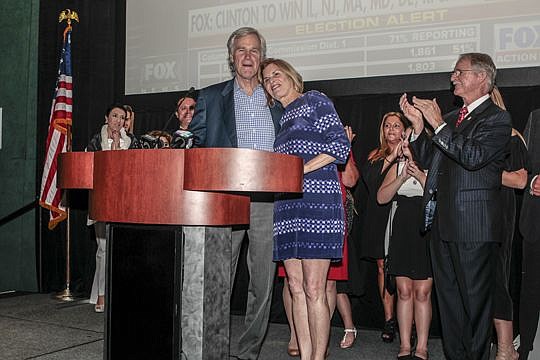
66	294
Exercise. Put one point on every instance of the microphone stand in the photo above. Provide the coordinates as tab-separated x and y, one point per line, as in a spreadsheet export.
171	116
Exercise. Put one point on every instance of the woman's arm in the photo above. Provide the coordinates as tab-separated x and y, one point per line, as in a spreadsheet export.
318	162
391	184
350	175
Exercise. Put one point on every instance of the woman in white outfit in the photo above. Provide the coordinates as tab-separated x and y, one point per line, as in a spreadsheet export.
112	136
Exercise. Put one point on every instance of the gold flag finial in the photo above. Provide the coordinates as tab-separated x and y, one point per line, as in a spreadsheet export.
68	15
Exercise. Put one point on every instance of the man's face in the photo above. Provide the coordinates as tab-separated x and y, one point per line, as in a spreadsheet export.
468	82
247	56
185	111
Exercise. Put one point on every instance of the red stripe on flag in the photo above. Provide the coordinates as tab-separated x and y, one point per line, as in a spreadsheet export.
59	120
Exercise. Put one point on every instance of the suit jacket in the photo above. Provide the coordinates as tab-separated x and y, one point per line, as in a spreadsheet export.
214	123
530	210
465	172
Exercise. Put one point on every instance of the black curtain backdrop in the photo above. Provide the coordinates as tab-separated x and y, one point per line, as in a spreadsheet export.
98	43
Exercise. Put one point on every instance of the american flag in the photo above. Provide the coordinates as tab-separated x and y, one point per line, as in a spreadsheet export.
57	137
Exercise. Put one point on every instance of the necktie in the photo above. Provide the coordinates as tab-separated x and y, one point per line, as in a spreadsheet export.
462	113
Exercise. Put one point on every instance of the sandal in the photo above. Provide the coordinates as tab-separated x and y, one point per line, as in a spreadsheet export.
389	331
344	344
99	308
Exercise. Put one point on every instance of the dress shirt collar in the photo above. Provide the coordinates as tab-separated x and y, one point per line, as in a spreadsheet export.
476	103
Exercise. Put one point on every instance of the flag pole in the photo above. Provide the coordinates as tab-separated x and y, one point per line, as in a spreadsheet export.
66	294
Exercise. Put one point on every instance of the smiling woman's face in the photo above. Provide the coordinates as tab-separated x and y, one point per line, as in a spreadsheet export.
277	83
116	118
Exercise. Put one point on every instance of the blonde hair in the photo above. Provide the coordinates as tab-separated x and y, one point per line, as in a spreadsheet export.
384	149
497	98
288	70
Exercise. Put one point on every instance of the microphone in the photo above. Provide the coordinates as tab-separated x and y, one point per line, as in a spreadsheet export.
191	91
182	139
150	142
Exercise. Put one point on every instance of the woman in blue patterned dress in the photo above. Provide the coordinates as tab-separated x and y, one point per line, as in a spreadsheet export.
308	229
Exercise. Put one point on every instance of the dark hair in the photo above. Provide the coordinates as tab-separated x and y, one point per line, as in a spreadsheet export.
191	95
114	106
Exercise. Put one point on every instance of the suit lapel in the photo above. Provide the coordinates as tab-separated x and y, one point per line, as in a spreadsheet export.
228	112
451	118
469	119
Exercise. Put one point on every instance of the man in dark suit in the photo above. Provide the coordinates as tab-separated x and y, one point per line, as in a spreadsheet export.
462	199
529	226
235	113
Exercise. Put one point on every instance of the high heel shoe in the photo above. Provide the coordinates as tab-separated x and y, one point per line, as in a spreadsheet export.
389	331
424	353
344	344
406	356
99	308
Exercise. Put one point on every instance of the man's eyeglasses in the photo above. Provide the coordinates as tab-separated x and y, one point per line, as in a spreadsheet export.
458	72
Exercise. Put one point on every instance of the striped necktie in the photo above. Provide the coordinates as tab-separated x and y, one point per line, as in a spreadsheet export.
462	113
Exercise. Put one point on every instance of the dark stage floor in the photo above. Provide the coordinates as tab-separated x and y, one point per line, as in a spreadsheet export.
35	326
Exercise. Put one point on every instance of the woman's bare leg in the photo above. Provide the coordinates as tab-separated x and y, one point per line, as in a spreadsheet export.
315	273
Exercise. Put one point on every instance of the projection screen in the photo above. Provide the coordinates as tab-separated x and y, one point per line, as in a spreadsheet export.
172	45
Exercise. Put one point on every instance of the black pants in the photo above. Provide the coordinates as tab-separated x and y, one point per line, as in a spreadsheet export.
530	294
464	279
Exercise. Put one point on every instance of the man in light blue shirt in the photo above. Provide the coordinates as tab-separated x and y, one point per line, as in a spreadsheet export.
235	113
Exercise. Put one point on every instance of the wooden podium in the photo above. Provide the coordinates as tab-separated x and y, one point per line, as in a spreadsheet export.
169	215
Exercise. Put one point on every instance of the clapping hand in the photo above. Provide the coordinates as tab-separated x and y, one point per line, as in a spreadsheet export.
413	114
430	109
115	136
404	175
396	153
